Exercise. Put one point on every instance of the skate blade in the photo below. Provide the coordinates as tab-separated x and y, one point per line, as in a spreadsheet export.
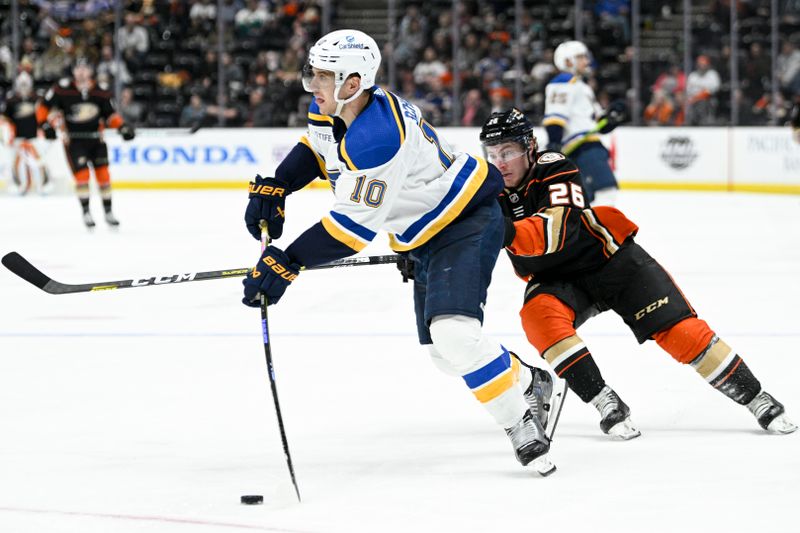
781	425
624	431
542	466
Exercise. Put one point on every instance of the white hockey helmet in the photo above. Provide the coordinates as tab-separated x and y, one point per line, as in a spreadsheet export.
344	52
569	50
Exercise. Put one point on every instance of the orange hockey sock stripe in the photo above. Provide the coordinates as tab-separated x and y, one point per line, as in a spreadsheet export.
102	175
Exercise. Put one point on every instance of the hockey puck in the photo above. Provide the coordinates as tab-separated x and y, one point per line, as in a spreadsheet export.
252	499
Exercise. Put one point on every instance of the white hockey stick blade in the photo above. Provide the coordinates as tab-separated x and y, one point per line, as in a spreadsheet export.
543	466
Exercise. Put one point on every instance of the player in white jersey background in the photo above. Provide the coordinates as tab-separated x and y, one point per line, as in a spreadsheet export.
574	121
390	171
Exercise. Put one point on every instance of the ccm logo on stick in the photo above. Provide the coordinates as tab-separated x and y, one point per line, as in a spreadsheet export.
161	280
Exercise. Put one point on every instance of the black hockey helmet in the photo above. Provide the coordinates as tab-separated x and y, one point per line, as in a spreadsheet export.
507	126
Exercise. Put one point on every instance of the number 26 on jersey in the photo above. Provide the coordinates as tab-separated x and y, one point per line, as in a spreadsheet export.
567	194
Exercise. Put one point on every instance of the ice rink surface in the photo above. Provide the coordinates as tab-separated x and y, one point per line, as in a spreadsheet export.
149	409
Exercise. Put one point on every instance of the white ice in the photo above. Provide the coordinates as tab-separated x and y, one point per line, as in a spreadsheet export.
149	409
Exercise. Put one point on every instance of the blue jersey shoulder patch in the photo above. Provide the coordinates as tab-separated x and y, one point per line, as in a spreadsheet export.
562	77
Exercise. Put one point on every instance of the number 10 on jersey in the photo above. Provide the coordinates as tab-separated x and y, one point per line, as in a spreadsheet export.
373	197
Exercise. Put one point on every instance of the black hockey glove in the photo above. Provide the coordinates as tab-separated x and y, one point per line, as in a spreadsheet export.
406	267
509	233
617	114
267	202
49	132
127	132
271	276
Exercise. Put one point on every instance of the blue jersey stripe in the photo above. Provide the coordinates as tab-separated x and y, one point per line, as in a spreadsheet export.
455	188
556	115
353	226
489	371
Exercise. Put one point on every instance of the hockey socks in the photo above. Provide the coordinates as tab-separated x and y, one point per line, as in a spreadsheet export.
572	361
724	370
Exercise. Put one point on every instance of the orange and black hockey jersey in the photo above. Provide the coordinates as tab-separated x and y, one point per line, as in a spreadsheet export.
556	233
21	113
84	111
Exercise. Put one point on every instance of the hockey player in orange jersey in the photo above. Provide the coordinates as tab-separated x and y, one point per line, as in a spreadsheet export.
580	261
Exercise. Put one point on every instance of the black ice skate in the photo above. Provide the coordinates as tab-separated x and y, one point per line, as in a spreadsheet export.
538	394
530	444
88	220
771	414
111	220
615	417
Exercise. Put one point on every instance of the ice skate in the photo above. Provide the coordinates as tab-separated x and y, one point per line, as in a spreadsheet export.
111	220
538	394
530	444
771	414
88	220
615	417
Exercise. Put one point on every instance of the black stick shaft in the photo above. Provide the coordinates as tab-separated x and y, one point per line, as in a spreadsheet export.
271	372
24	269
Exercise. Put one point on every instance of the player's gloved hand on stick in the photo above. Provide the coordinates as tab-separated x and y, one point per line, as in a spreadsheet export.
273	273
267	202
617	114
127	132
49	132
406	267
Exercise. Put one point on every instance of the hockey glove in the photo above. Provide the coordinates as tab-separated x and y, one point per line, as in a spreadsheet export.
406	267
273	273
49	132
127	132
617	114
267	202
509	233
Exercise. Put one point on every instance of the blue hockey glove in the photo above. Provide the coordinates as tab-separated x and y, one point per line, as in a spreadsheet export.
273	273
267	202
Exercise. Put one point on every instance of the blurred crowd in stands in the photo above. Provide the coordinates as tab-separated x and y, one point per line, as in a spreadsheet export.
171	66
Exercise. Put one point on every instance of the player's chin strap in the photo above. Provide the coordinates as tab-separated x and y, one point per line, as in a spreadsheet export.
340	103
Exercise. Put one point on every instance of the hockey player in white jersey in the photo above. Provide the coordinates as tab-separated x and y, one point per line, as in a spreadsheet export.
574	121
391	171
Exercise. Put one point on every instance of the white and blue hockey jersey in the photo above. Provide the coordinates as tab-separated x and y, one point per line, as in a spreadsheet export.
389	171
570	109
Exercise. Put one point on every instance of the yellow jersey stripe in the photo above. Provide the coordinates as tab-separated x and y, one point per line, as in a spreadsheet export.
346	238
554	120
397	118
343	152
496	387
320	162
473	184
322	118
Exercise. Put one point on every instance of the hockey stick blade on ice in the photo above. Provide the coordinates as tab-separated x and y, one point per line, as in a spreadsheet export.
25	270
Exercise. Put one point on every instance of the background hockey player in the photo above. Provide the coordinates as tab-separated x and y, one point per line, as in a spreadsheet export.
87	109
795	120
390	170
20	112
574	121
580	261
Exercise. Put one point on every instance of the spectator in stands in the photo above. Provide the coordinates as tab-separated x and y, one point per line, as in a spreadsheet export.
132	111
789	68
193	113
500	98
476	111
543	70
134	40
756	72
203	13
671	82
702	86
231	70
54	61
429	67
411	40
109	67
437	103
614	14
660	110
259	112
231	113
251	19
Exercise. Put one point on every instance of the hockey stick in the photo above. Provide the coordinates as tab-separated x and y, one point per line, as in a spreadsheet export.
24	269
271	370
91	135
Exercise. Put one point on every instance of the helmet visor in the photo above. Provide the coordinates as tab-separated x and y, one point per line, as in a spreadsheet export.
503	153
317	80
